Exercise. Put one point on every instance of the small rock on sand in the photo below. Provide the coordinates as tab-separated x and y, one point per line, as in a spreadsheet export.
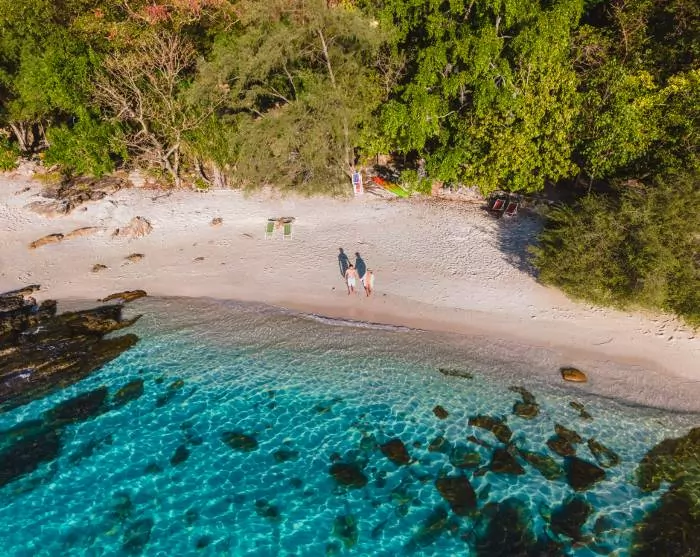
97	267
125	296
84	231
134	257
50	239
217	221
573	374
137	227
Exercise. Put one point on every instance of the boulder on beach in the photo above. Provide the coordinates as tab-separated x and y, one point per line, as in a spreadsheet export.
84	231
573	374
137	228
125	296
46	240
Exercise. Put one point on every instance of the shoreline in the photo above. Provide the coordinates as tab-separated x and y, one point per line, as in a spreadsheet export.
440	266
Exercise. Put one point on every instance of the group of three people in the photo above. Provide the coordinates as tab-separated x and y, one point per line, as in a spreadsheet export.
351	273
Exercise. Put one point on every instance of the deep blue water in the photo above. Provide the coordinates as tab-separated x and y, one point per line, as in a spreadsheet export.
318	392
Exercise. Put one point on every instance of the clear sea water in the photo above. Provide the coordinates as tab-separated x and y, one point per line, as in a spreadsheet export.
314	388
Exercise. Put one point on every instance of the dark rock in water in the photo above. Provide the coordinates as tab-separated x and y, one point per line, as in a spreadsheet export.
606	457
121	508
203	542
239	441
671	528
191	516
462	457
130	391
395	451
544	464
88	449
581	474
333	549
502	462
528	397
494	425
561	446
153	468
458	492
581	410
568	519
570	435
433	527
479	442
126	296
507	533
78	409
440	445
136	536
23	429
368	443
526	410
335	457
182	453
456	373
349	475
43	351
171	391
24	456
345	529
440	412
285	455
296	483
267	510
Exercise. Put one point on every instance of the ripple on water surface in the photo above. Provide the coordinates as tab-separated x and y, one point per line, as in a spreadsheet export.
246	431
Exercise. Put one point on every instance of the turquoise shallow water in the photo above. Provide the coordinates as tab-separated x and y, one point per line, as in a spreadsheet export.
155	477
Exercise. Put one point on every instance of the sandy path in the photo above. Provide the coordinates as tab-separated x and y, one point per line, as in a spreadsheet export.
439	265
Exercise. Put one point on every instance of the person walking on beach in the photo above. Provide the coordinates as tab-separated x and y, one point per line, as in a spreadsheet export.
351	278
343	262
368	282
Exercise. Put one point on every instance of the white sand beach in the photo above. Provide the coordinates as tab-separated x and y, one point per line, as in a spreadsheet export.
439	265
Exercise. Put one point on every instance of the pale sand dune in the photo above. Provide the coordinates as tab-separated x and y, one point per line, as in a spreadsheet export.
439	265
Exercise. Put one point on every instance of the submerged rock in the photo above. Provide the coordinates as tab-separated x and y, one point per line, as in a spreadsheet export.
440	445
182	453
569	518
456	373
462	457
170	393
78	409
606	457
136	536
433	527
348	474
285	455
440	412
396	451
494	425
239	441
458	492
569	434
544	464
267	510
526	410
581	474
502	462
345	529
561	446
528	397
130	391
581	410
24	456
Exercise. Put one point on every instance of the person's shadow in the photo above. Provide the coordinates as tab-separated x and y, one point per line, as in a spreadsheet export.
360	265
343	262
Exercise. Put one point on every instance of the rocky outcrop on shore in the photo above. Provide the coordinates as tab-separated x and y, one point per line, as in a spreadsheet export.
41	351
62	198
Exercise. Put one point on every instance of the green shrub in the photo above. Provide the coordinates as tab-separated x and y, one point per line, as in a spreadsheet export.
638	248
9	153
89	147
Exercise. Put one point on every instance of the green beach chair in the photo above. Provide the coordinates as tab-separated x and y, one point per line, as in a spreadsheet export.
270	229
287	231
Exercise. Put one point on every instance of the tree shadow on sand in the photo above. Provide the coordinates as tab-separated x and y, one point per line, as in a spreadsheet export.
515	235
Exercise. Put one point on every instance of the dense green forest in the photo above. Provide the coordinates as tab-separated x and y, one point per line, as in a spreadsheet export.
600	98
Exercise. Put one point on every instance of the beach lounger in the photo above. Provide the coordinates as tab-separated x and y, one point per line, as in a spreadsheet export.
287	231
498	204
511	209
270	229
